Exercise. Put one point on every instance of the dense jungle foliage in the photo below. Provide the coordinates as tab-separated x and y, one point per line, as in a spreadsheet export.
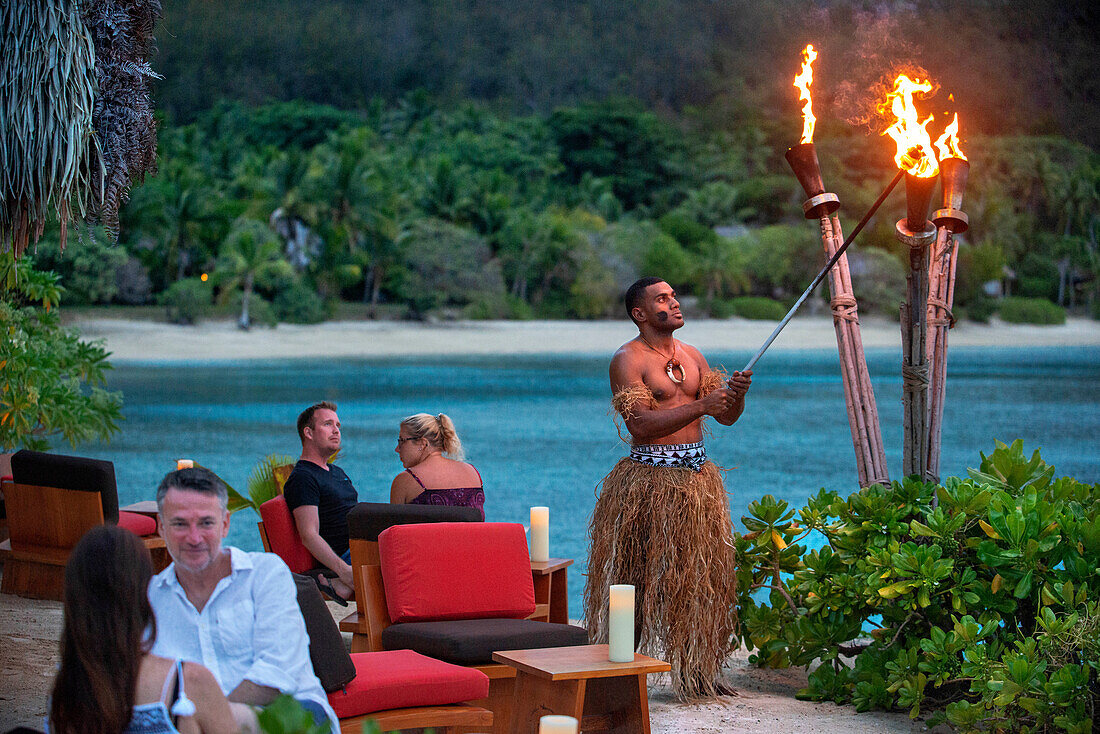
485	160
972	602
494	215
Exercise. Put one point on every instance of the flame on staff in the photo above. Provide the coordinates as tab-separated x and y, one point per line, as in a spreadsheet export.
948	143
802	83
908	132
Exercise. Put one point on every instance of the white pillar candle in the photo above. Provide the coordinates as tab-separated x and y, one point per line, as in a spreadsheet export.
184	464
540	533
621	624
557	725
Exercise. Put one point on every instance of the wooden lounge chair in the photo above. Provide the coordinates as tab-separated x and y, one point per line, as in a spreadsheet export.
398	689
459	592
51	503
365	521
279	535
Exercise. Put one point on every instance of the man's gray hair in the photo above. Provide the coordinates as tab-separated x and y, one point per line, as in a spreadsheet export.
196	479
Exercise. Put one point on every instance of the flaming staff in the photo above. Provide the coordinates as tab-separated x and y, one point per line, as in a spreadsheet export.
859	396
917	233
949	220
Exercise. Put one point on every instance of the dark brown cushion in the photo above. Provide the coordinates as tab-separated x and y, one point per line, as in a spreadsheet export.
331	662
473	641
367	519
69	472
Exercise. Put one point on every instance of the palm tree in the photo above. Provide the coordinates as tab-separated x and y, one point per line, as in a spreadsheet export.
351	189
174	210
251	254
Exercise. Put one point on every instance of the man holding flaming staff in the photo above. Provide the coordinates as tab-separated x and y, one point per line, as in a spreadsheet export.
661	521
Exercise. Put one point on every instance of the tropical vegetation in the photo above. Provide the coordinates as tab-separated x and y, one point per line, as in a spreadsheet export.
973	601
413	209
51	381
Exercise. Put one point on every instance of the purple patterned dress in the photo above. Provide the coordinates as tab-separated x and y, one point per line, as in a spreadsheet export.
455	497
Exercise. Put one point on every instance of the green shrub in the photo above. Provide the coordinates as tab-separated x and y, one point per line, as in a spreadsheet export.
983	608
187	301
980	308
261	312
749	307
299	304
52	383
1017	310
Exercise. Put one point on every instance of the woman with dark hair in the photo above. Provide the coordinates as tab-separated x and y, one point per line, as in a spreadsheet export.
429	444
108	682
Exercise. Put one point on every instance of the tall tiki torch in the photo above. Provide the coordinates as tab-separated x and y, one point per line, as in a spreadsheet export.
916	232
949	220
858	394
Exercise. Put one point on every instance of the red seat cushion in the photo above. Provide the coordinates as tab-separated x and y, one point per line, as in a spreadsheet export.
400	678
137	524
456	570
282	535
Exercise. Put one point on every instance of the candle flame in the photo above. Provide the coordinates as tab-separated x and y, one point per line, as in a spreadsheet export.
907	131
802	83
948	143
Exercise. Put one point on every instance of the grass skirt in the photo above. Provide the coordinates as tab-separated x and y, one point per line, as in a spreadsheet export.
667	531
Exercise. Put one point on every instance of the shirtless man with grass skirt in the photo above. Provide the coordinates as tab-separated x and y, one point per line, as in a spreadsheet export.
661	521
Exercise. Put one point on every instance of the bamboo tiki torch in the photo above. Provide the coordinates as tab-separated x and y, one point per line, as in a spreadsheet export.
949	220
917	233
859	398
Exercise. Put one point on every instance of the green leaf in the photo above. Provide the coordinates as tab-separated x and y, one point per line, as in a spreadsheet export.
1023	586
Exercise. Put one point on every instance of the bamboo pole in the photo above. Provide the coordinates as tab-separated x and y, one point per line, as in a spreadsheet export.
918	233
914	369
866	407
941	287
844	310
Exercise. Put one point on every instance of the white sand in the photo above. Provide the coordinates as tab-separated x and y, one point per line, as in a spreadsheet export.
144	341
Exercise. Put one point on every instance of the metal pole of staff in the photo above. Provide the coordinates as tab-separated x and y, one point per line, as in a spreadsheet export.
828	266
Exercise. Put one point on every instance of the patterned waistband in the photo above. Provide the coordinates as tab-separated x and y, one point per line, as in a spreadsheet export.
677	455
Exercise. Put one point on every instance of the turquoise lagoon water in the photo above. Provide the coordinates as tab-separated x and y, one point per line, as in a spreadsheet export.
540	431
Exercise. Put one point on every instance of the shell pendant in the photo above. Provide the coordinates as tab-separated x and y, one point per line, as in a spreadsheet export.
670	369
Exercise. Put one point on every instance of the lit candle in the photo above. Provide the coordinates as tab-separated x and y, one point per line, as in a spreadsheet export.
557	725
540	533
621	624
184	464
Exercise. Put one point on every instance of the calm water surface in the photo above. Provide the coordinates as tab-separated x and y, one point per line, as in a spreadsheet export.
540	431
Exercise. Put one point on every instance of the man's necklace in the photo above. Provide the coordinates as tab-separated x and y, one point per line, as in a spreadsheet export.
672	365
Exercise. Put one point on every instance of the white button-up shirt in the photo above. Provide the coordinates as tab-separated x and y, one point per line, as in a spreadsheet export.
251	628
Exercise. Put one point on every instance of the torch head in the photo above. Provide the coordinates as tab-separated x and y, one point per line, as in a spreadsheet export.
803	161
918	200
953	174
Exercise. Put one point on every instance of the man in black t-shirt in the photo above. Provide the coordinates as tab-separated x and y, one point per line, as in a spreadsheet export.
320	495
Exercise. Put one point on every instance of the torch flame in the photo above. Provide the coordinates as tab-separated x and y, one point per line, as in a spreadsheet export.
948	143
908	132
802	83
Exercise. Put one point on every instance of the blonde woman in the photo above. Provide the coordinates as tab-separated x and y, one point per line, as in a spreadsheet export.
435	473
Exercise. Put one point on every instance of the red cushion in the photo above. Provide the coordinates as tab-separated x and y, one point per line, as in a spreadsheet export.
137	524
456	570
282	535
399	678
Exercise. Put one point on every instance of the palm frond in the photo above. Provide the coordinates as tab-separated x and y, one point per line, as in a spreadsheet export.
48	154
123	34
264	481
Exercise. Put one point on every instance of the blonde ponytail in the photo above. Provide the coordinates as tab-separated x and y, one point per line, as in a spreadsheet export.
437	430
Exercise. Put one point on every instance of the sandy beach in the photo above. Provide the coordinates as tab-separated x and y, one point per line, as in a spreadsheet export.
765	703
147	341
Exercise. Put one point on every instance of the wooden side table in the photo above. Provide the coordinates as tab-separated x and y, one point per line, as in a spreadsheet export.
551	590
580	682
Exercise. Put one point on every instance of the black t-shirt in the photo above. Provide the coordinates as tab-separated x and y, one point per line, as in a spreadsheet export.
333	494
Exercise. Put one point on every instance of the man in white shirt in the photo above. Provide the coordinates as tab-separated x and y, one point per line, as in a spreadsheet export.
232	611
